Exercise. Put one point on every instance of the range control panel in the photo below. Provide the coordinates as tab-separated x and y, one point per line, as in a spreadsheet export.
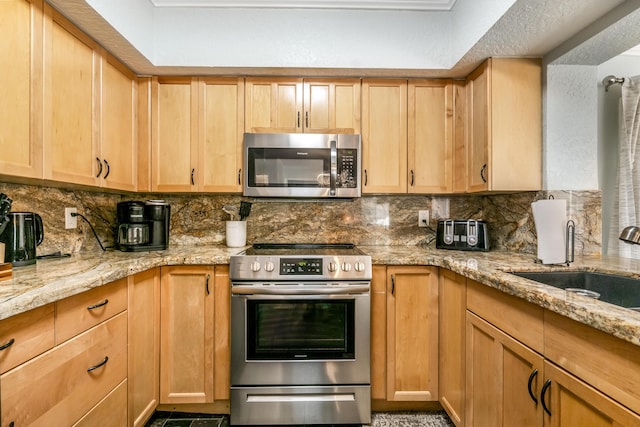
300	266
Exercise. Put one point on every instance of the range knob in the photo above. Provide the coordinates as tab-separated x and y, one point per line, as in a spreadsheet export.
359	266
255	266
269	266
332	266
346	266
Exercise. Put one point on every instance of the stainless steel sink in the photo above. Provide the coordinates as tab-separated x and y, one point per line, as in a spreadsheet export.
618	290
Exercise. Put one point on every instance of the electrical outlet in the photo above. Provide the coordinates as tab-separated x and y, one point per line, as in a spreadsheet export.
423	218
69	220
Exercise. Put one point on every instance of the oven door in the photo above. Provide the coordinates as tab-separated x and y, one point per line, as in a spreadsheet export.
300	339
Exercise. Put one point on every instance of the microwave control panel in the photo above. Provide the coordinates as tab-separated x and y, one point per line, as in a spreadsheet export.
347	168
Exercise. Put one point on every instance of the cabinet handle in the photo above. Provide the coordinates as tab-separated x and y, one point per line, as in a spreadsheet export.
99	167
207	283
531	393
7	344
483	173
545	387
306	119
193	172
98	305
298	118
393	284
412	176
108	169
102	363
366	177
239	175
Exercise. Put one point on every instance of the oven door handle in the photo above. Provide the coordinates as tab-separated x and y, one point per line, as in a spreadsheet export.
250	290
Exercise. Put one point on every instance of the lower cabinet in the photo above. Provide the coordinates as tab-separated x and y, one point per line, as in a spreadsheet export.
452	310
186	335
411	335
144	346
62	385
503	378
194	335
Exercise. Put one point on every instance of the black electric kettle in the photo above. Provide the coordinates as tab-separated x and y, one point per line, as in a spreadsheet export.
21	236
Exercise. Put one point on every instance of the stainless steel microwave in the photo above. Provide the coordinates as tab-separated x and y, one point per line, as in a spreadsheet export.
302	165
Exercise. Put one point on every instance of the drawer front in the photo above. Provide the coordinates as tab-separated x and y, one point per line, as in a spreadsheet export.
58	387
515	316
110	412
80	312
25	336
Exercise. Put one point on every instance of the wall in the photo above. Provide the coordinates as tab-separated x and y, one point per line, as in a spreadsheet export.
370	220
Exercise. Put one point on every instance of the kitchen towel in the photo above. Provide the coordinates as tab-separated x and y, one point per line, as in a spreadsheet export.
550	218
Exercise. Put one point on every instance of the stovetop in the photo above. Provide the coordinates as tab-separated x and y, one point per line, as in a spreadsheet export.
301	261
311	249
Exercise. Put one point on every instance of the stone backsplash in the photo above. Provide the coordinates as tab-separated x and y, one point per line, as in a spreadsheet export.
369	220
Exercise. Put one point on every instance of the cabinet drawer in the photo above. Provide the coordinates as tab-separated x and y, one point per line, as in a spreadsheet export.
110	412
83	311
605	362
58	387
25	336
515	316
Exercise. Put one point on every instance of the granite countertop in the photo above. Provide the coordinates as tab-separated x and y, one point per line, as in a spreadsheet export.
54	279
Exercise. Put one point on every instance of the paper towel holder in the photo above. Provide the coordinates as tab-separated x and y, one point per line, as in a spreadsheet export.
630	234
571	243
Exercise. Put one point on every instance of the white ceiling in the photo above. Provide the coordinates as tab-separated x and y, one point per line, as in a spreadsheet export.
313	4
390	38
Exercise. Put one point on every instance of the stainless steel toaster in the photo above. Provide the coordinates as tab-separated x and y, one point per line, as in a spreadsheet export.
462	234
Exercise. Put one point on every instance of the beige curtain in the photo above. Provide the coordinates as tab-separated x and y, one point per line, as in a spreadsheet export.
628	183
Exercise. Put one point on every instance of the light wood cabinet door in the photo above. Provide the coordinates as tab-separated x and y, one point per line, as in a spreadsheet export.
332	106
478	123
384	136
222	322
72	88
118	133
379	333
273	105
459	137
430	136
452	311
21	88
187	334
412	333
573	403
503	378
504	150
221	129
144	346
174	134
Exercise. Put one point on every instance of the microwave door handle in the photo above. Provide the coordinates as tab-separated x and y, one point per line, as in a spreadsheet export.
334	169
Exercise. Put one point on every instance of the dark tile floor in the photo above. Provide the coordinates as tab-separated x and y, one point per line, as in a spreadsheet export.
396	419
181	419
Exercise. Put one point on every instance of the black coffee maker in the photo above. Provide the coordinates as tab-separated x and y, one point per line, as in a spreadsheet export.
143	226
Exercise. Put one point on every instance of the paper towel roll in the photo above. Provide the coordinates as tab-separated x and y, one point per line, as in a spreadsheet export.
550	218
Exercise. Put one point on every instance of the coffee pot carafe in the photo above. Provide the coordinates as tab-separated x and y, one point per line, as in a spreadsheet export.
21	235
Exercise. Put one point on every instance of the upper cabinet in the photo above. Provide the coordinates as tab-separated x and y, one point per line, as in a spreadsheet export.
408	135
21	88
504	126
430	136
89	111
282	105
196	134
384	136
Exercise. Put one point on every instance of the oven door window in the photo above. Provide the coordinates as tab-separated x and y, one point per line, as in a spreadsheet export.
289	167
300	329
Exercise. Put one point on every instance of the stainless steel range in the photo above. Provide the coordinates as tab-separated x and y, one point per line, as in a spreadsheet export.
300	318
